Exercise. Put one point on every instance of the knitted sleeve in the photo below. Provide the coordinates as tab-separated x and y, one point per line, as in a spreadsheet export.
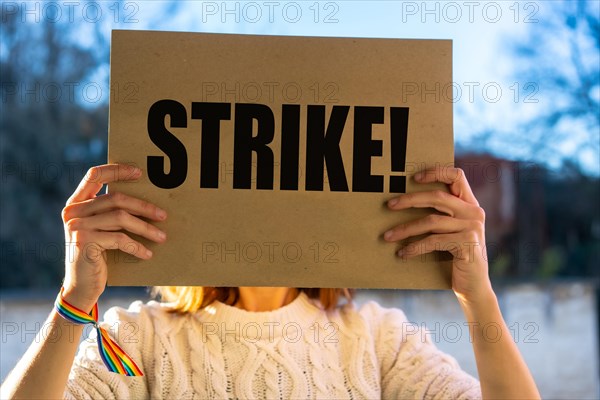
90	379
412	367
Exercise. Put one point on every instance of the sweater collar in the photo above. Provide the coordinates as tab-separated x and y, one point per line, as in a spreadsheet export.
298	314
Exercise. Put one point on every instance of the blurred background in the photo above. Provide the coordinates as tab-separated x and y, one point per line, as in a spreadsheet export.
527	132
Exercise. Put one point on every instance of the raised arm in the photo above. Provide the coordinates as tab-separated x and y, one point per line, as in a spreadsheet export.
91	223
460	230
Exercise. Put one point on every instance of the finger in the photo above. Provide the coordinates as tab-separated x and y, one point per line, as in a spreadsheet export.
121	241
115	221
112	201
461	245
438	199
455	178
433	223
97	176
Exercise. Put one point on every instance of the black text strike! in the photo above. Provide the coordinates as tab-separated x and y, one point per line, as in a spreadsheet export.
322	146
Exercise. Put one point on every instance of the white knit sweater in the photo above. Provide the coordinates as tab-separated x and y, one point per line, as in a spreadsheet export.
298	351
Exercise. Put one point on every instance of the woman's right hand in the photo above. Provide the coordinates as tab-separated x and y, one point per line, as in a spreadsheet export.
94	224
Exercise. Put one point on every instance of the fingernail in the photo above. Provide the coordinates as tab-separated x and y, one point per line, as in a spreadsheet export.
392	202
161	214
388	234
419	176
162	235
148	253
400	253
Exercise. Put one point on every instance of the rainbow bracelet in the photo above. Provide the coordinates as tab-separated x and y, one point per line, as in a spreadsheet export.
115	359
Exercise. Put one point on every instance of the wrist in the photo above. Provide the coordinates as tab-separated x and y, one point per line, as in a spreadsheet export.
75	329
77	300
481	305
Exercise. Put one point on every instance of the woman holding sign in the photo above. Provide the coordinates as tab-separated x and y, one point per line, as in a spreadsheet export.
252	342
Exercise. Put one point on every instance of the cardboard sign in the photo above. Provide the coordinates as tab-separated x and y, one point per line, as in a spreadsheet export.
274	155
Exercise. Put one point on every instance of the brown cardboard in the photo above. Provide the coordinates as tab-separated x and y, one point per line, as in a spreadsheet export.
253	237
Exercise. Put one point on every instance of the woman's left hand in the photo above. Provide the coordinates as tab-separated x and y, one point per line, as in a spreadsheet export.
459	230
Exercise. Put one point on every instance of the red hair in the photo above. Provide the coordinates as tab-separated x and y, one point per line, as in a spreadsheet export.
193	298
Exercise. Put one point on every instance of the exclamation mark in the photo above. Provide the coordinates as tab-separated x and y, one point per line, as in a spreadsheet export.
398	140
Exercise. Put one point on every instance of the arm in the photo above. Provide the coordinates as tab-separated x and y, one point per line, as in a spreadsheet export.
46	363
502	370
90	224
460	230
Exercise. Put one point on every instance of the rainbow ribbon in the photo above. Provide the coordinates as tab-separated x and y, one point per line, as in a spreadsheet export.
115	359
